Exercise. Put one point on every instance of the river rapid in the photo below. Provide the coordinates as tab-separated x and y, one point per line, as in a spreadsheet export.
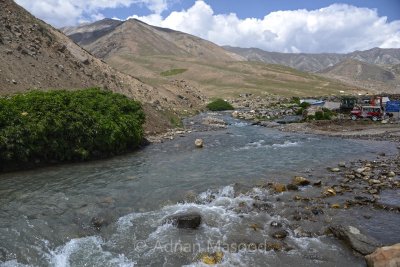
47	214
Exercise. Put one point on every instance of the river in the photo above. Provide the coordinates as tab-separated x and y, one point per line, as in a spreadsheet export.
46	214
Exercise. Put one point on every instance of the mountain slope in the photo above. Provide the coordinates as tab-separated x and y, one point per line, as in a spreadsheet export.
33	55
318	62
368	75
157	55
108	36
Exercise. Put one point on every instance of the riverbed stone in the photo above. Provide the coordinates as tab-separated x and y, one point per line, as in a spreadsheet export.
384	257
281	234
355	239
335	170
391	174
299	180
190	220
211	258
279	188
292	187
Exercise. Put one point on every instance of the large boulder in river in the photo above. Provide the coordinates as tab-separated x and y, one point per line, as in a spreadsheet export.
384	257
185	220
355	239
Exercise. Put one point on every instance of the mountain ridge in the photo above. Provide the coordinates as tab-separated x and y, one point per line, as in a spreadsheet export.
315	62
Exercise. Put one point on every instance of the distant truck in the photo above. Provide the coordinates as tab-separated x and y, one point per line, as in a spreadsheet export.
372	112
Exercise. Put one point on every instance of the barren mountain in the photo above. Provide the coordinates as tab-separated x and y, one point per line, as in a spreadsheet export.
156	55
368	75
107	37
33	55
318	62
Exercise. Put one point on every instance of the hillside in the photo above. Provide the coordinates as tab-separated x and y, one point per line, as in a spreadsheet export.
108	37
36	56
157	55
368	75
318	62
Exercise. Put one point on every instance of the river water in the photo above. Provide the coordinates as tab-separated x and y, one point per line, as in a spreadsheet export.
46	214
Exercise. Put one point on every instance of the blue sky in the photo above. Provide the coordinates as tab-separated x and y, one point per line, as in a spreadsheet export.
294	26
260	8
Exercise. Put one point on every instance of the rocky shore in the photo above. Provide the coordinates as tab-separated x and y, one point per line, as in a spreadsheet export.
340	202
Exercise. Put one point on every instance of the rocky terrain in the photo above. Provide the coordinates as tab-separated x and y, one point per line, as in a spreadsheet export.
34	55
319	203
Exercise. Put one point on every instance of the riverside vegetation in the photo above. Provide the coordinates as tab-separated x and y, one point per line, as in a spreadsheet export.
58	126
219	105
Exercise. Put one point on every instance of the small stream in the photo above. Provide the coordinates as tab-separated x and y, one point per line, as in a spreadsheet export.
46	214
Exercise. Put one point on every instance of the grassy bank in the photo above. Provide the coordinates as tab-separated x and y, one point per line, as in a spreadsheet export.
63	126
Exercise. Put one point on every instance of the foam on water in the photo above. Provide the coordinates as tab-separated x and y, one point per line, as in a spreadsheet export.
86	251
261	144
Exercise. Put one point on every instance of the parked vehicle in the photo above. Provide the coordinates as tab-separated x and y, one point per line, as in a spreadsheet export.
372	112
347	103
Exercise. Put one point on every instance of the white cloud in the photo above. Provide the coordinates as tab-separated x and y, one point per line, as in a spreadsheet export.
336	28
70	12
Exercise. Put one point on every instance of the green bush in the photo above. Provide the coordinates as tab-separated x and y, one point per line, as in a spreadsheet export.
67	126
219	105
305	105
319	115
295	100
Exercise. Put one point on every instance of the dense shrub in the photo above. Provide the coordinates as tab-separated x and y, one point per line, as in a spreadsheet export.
305	105
219	105
67	125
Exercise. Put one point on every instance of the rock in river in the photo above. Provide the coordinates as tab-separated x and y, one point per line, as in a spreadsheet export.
355	239
281	234
384	257
298	180
199	143
185	220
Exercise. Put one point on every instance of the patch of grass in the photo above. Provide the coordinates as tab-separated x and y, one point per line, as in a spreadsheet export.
219	105
172	72
59	126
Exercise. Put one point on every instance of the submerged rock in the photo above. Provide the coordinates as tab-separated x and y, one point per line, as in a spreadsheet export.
384	257
292	187
185	220
355	239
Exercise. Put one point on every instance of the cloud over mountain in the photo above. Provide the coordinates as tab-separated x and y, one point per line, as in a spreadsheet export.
70	12
336	28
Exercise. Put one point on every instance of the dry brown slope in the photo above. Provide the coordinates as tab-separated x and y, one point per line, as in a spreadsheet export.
147	51
34	55
108	37
365	75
